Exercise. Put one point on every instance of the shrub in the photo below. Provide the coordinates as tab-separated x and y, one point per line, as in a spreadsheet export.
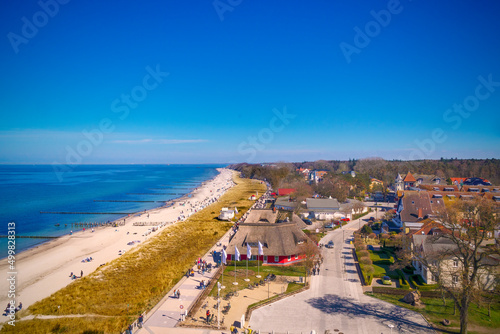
369	269
409	269
418	279
361	246
363	253
372	236
384	236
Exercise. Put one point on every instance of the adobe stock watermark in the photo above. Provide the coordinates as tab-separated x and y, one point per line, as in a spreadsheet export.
455	116
30	27
258	143
372	29
121	107
223	6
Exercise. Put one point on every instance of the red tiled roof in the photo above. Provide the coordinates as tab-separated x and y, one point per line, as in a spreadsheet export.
286	191
409	178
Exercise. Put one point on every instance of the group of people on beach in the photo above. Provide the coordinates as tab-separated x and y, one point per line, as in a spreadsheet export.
11	308
73	276
195	206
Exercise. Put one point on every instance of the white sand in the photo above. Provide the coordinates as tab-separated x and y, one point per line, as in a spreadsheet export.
45	269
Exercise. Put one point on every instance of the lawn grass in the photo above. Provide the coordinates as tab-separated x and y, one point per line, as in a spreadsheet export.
435	312
138	280
381	263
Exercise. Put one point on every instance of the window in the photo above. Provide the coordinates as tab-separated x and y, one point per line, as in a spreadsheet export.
276	259
253	258
455	263
289	258
296	256
265	258
454	279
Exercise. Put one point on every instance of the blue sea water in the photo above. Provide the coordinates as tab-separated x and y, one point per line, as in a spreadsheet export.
27	190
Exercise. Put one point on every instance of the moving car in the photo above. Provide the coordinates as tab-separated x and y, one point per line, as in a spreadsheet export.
329	244
308	221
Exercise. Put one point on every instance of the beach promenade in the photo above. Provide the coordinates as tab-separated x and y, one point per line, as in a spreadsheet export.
167	313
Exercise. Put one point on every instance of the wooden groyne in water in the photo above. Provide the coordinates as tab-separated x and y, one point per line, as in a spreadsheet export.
28	237
118	200
86	213
114	224
152	194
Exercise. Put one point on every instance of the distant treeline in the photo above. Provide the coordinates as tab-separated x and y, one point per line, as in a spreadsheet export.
379	168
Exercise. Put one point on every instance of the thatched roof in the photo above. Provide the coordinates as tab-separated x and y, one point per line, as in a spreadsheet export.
261	216
277	239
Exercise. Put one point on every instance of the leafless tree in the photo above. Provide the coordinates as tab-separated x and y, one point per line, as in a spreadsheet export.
460	267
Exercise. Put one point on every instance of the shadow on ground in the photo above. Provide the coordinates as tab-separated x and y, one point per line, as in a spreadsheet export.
400	317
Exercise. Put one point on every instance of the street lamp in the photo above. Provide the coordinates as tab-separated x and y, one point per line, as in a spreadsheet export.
391	326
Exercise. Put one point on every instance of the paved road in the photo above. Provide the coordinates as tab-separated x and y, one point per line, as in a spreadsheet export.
336	301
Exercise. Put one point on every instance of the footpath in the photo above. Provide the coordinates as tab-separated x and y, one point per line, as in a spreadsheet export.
167	313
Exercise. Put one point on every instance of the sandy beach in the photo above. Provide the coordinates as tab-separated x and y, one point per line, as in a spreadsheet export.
42	270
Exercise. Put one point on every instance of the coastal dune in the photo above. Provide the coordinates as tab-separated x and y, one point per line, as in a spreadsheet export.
43	270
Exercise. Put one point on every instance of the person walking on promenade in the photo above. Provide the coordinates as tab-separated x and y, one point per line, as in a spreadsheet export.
208	316
178	294
140	320
81	273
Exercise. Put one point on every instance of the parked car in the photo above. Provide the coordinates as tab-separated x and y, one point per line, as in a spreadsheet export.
346	219
372	219
386	280
329	225
308	221
329	244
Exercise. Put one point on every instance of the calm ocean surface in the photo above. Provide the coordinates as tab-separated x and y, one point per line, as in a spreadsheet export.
27	190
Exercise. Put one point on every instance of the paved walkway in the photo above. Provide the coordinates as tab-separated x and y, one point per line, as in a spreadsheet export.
167	313
336	302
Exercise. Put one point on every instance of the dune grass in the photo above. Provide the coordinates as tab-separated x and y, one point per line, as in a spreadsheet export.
138	280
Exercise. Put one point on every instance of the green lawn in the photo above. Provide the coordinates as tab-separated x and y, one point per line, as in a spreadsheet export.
381	262
435	312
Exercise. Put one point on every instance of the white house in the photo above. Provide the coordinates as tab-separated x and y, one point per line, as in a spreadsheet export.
226	214
323	208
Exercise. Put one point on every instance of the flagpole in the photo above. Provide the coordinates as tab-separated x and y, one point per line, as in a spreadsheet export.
258	267
235	283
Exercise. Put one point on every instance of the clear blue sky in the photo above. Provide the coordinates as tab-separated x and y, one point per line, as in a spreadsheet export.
226	76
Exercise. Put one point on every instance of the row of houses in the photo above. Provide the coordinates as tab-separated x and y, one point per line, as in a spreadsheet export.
424	181
321	208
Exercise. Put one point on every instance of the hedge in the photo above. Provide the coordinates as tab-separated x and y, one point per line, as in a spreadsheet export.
403	292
